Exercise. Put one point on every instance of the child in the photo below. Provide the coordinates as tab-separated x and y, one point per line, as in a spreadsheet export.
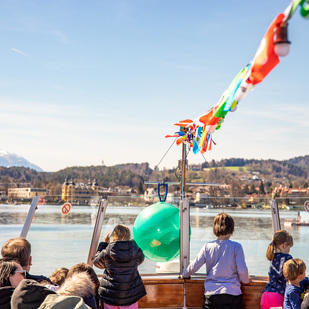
83	267
59	275
121	285
225	267
294	271
277	253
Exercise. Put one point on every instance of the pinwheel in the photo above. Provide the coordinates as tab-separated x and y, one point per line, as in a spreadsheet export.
198	133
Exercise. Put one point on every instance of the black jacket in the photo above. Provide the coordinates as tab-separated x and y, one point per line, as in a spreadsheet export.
121	284
38	278
5	297
29	294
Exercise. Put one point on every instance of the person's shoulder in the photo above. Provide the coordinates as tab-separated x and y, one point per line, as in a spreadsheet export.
39	278
281	255
234	243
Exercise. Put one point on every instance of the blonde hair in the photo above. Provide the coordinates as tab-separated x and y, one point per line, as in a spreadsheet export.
293	268
120	232
59	275
6	269
279	238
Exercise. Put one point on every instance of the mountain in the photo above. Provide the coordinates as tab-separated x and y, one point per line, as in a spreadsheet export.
10	159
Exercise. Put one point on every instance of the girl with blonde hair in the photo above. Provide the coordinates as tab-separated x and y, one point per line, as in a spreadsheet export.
121	285
277	253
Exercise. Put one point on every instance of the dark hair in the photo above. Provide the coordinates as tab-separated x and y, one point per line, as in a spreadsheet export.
17	249
223	224
293	268
6	269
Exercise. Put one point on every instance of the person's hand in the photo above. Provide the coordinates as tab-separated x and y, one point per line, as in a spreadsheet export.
106	238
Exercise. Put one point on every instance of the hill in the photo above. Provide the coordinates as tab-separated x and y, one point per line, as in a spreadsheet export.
236	171
300	161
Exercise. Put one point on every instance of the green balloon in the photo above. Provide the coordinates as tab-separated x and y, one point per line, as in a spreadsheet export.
156	231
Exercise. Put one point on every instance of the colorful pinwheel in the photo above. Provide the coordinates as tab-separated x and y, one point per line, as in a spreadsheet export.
198	133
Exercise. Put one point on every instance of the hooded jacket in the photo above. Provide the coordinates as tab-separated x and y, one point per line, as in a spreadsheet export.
80	285
63	302
5	297
29	294
121	283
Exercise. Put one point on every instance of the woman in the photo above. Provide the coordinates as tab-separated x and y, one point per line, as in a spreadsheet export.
11	274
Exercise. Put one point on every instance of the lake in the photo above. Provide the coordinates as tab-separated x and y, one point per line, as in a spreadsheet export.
63	240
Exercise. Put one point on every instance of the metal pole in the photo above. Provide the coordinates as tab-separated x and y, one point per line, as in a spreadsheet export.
97	231
184	234
275	215
31	212
183	171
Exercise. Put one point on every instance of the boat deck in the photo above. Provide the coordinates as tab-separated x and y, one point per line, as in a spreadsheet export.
168	292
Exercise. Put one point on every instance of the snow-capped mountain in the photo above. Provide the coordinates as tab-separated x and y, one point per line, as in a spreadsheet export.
10	159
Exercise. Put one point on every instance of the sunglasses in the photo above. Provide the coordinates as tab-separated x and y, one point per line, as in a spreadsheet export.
22	272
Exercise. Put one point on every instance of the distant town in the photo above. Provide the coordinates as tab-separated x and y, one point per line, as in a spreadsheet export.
226	183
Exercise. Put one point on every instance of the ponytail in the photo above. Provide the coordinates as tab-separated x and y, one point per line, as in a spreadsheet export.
270	253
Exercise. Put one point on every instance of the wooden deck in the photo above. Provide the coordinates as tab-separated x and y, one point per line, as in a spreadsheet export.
170	292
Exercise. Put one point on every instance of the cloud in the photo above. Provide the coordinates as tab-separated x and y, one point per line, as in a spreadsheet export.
18	51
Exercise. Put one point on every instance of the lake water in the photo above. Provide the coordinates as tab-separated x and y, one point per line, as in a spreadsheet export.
62	241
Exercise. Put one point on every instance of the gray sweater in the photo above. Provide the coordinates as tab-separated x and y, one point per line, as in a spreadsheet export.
225	267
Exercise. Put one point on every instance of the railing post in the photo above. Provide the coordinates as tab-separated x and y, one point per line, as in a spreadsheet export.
275	215
97	231
30	215
184	234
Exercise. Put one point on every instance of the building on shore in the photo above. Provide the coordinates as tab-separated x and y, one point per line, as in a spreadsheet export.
79	193
25	193
84	194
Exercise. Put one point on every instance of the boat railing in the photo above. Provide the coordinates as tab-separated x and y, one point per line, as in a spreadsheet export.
68	238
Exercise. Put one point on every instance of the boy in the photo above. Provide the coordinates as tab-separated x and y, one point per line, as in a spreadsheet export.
294	271
225	267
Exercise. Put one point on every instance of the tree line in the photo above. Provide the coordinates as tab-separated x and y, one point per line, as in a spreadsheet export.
234	171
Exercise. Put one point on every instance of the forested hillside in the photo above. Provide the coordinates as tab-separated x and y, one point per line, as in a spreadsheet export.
293	172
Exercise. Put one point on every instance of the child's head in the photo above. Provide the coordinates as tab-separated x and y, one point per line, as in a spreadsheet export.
293	268
281	239
83	267
120	232
223	225
59	275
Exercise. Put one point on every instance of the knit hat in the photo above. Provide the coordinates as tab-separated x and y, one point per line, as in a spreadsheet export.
29	294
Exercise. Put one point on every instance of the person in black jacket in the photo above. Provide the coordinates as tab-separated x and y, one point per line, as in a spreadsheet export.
121	283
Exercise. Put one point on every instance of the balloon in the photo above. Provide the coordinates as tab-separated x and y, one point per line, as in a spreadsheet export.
156	231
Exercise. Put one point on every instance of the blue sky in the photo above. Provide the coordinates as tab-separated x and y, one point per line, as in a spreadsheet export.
86	81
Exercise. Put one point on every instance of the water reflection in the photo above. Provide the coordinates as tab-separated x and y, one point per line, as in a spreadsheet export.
63	240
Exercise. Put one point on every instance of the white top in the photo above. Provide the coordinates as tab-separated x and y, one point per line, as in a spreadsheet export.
225	267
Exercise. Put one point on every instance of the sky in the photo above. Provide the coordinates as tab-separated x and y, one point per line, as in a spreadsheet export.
102	82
